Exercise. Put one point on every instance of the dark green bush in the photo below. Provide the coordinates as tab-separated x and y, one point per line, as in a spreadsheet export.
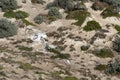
39	19
54	12
7	5
92	25
85	47
7	28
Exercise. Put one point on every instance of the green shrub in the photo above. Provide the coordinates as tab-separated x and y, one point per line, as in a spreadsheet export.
117	27
9	14
92	25
39	19
21	15
54	12
17	14
7	28
7	5
38	1
78	15
103	53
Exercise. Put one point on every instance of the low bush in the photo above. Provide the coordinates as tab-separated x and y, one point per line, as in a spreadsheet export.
54	12
92	25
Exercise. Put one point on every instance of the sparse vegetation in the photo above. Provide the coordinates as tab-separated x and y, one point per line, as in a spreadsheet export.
103	53
78	15
23	48
100	67
110	12
7	28
92	25
58	54
27	22
70	78
26	66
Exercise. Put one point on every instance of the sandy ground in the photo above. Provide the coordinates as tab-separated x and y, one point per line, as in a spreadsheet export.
79	60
